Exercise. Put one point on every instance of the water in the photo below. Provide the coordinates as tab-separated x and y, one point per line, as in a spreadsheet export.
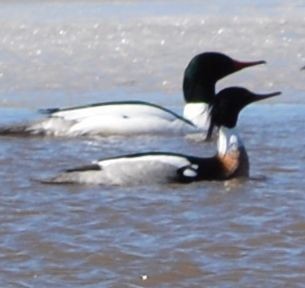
232	234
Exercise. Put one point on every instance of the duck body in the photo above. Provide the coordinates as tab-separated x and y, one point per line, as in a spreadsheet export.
230	161
136	117
114	118
161	168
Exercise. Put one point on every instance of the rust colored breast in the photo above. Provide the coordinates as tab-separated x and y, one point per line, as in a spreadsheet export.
235	163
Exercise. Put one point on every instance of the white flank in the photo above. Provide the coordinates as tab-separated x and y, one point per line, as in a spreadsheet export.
176	161
147	169
115	110
117	119
138	170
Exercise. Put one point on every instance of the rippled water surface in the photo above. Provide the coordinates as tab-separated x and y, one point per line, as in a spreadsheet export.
209	234
219	234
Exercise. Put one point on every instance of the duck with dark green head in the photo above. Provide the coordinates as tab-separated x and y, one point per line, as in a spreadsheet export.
137	117
230	160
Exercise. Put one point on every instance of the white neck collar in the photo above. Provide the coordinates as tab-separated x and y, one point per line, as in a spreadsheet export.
228	141
198	114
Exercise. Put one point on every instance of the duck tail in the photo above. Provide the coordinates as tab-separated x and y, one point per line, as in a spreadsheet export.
18	130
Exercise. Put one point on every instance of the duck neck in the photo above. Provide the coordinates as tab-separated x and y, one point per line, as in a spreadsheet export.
199	93
198	114
198	97
232	154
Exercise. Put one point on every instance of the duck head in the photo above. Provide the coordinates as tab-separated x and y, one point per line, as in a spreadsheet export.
229	102
204	70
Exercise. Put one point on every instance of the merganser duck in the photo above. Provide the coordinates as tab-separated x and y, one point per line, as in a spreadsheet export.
137	117
230	161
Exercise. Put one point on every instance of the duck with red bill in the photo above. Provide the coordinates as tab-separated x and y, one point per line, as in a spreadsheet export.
230	160
129	118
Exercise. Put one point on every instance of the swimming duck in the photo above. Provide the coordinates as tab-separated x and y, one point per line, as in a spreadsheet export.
230	161
138	117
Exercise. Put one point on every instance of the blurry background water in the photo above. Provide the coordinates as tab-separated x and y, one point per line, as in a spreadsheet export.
61	53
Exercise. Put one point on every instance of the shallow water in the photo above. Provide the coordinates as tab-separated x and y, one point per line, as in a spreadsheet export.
232	234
